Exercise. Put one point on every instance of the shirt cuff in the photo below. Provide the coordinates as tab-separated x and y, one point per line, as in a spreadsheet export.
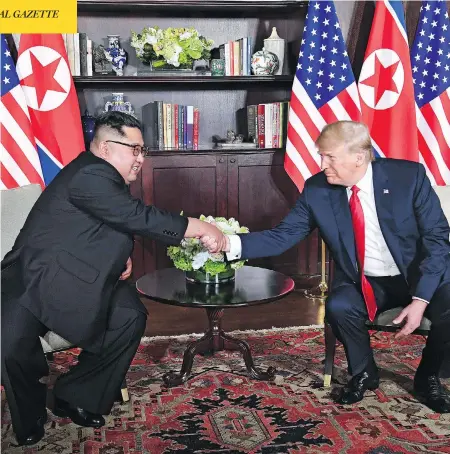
235	248
420	299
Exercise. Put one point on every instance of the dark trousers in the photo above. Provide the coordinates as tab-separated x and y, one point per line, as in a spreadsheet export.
346	312
92	384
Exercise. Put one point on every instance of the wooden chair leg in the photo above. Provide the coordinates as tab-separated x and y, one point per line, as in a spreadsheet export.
330	349
124	391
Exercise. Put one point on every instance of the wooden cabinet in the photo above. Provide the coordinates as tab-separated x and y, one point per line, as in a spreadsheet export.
249	186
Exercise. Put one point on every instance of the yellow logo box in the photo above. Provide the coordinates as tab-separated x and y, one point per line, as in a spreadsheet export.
39	16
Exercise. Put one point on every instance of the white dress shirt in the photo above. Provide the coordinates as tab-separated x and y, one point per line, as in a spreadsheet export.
378	260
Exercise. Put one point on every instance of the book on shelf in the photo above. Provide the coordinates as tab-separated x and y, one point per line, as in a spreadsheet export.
170	126
265	124
237	55
79	53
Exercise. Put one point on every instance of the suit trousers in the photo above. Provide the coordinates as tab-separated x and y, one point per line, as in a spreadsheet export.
92	384
346	312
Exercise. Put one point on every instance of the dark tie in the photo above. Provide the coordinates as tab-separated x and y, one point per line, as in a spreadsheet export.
360	240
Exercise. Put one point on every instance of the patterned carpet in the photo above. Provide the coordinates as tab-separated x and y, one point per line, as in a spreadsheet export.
220	410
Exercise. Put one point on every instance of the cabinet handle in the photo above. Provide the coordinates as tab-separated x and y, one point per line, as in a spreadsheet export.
232	160
221	160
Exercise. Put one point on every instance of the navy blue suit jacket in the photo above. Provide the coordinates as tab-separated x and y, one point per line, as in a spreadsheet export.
410	216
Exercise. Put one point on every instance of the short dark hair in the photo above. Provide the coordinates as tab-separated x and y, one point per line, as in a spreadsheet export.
116	120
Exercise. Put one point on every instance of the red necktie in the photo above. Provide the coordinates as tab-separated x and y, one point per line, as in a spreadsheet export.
360	240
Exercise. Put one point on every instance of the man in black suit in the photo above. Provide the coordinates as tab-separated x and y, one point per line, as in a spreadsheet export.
383	224
66	273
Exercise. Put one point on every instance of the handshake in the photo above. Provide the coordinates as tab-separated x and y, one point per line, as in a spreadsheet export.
210	236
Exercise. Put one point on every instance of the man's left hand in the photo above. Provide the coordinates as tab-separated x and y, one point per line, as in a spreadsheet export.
413	314
127	273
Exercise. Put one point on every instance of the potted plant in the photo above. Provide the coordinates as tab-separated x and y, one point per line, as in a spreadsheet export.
171	47
198	263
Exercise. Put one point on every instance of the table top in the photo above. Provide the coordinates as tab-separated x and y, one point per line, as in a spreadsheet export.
252	285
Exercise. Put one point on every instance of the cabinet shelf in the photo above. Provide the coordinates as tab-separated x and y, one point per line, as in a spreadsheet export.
212	7
212	81
214	151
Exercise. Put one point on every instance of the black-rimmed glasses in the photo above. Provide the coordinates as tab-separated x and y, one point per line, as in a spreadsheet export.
137	149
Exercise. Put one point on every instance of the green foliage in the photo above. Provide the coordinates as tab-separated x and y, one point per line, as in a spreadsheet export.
172	46
191	255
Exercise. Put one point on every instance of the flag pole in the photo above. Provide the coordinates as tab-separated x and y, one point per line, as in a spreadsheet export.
320	292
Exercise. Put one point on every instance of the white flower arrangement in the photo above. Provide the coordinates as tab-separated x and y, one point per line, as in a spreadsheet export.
171	46
191	255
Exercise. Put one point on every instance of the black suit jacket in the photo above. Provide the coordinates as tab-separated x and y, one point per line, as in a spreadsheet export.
410	216
74	246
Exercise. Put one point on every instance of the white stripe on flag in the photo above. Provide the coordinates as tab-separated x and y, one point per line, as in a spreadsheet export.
45	150
309	106
19	96
354	94
11	166
377	148
295	157
438	109
432	143
300	129
20	138
338	109
2	186
395	17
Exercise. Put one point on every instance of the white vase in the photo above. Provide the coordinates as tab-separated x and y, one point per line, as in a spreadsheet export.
276	45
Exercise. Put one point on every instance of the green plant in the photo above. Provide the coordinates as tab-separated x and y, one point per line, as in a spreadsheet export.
173	46
191	255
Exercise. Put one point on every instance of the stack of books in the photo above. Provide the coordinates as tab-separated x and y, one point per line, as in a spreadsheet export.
170	126
237	56
266	124
79	53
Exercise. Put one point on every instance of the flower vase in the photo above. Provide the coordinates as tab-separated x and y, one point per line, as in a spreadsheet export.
118	104
276	45
202	277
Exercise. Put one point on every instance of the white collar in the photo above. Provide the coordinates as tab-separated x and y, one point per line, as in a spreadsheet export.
365	184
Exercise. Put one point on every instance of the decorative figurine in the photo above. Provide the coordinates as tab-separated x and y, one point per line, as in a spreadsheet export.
264	63
276	45
115	54
119	104
101	63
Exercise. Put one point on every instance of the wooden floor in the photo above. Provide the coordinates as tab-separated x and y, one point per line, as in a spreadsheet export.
293	310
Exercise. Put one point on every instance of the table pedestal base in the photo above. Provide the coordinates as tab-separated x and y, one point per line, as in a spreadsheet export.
213	341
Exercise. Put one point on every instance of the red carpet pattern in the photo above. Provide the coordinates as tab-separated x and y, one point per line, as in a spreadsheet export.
220	410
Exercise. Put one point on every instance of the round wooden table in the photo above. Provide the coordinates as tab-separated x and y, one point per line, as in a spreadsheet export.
251	286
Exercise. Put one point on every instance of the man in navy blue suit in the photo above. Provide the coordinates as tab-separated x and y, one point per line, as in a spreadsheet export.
389	238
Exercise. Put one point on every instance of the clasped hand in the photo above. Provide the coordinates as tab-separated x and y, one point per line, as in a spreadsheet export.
214	240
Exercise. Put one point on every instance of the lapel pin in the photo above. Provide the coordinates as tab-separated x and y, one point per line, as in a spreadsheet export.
385	191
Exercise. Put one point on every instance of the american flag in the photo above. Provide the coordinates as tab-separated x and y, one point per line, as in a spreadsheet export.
324	90
19	158
430	58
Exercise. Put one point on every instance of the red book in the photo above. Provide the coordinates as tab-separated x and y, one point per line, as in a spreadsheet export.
261	128
196	127
175	125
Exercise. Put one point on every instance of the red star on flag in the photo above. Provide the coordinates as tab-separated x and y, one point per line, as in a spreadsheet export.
42	78
382	79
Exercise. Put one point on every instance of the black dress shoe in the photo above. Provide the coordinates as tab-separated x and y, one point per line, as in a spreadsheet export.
77	415
35	435
354	391
429	388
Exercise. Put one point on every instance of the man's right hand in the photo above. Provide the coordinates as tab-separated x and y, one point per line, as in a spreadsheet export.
213	246
201	229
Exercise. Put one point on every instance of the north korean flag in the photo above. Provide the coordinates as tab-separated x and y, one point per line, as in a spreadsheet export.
386	85
45	77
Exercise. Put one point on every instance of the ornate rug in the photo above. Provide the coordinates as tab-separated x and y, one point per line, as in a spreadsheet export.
220	410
